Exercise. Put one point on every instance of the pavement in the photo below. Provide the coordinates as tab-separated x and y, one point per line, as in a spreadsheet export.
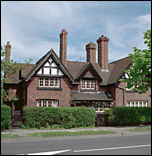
120	131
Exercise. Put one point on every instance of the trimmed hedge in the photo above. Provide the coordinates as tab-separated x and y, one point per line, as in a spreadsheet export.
65	117
5	117
121	116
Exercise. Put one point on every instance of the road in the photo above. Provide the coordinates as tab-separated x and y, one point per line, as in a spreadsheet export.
96	145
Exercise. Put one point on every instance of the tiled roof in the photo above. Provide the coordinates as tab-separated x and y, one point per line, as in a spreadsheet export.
75	68
99	96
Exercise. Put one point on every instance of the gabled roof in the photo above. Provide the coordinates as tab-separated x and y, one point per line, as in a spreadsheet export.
119	68
53	55
87	67
75	69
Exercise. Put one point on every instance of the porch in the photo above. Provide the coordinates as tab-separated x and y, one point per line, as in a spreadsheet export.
96	100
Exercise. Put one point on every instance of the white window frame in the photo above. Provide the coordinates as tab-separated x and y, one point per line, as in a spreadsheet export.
49	83
45	103
136	103
84	84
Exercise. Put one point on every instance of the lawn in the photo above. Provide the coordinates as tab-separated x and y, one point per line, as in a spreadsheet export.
78	133
9	136
140	129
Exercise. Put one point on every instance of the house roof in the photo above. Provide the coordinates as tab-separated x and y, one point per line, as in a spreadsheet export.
119	68
98	96
74	69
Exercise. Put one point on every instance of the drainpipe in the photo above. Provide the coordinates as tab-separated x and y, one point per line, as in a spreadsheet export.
123	95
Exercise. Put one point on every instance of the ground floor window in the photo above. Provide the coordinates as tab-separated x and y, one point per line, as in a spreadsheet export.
47	103
137	103
98	106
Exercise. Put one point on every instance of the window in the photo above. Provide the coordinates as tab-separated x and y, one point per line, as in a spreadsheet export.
46	82
137	103
99	107
41	82
49	82
47	103
88	84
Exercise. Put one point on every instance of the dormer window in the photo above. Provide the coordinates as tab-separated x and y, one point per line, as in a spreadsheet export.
88	84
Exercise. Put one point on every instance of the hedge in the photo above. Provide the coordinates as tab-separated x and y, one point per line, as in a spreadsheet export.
5	117
121	116
65	117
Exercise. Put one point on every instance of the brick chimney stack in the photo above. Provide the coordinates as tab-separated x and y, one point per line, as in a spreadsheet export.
91	52
63	47
8	51
103	52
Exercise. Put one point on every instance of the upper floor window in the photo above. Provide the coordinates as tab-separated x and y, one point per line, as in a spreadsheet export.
88	84
49	82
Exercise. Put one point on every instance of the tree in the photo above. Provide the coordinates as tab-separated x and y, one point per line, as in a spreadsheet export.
140	71
7	69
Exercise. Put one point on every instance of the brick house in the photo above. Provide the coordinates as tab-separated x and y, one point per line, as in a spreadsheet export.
54	81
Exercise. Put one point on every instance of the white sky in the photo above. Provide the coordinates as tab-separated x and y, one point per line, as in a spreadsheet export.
33	27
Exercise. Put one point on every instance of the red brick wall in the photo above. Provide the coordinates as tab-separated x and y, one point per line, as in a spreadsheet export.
62	95
130	96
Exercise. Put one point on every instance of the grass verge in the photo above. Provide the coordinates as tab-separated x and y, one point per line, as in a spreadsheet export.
140	129
9	136
53	127
55	134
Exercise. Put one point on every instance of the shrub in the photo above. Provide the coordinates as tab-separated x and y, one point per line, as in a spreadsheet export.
66	117
121	115
5	117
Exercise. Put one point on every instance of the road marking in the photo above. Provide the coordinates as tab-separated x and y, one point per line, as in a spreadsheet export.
47	153
112	148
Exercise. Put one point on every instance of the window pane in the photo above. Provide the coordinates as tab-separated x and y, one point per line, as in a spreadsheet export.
41	82
46	82
92	85
50	103
88	84
83	84
57	82
51	82
55	104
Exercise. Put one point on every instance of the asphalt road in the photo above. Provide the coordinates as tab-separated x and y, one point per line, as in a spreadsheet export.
97	145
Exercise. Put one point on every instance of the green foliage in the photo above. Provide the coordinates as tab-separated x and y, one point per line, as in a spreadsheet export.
5	117
66	117
140	70
7	69
121	115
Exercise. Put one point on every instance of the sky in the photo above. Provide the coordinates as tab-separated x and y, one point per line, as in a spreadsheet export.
33	27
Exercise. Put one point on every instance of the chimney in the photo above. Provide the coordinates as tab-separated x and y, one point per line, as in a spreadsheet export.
103	52
63	47
8	51
91	52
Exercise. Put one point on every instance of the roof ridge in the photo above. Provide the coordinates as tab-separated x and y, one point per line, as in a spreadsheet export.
119	60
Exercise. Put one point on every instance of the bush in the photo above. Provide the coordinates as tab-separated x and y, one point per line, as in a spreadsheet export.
121	115
66	117
5	117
